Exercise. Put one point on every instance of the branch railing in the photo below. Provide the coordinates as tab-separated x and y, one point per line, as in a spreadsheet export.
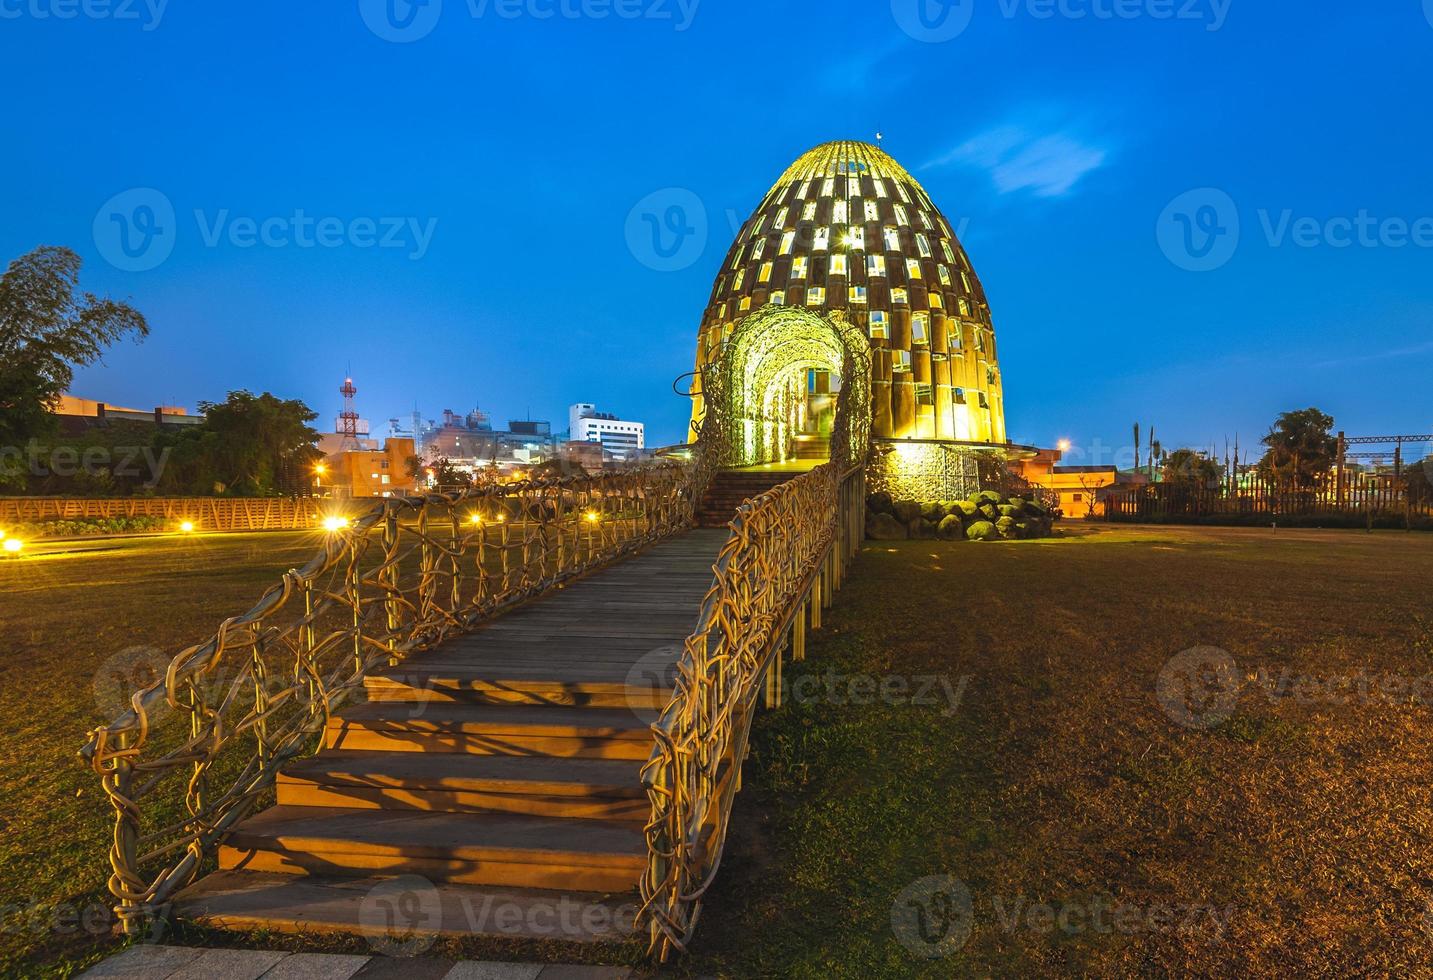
785	558
200	747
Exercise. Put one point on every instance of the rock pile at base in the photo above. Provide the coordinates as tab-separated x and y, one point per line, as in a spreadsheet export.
986	516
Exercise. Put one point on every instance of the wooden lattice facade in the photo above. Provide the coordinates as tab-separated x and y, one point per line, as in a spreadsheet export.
846	229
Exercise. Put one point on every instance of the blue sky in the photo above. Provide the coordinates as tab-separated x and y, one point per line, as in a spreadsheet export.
501	154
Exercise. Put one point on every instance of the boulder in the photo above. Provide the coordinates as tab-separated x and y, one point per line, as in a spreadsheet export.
950	529
922	529
906	511
884	527
981	531
932	511
987	497
1006	510
963	509
989	512
880	502
1006	527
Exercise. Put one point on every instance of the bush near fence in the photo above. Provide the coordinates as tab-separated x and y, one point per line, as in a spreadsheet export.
206	513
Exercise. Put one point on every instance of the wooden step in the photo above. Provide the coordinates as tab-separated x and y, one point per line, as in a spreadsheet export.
322	905
466	848
478	685
516	730
584	789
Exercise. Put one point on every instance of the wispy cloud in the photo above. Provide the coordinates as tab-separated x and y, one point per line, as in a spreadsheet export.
1411	351
1047	164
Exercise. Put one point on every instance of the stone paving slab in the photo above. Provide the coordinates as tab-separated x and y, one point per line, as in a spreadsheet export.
182	963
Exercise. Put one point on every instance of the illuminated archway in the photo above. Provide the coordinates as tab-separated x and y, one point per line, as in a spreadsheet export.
755	389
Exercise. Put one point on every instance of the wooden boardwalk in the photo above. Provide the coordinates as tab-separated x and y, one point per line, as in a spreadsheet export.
503	767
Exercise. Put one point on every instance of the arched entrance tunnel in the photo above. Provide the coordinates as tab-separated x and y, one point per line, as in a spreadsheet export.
787	377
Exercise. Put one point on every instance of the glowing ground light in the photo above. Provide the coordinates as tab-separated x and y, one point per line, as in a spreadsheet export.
332	524
592	516
475	519
187	527
12	546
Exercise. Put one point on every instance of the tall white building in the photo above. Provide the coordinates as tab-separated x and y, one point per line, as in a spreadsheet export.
619	437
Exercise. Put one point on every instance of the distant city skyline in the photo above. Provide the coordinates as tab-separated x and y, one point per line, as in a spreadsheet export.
1169	225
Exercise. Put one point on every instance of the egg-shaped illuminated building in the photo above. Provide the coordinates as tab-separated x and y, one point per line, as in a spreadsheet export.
848	236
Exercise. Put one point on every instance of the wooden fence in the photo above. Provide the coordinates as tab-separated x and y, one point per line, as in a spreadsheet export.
1379	501
206	513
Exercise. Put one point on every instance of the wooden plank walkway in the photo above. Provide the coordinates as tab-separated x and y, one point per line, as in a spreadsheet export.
503	766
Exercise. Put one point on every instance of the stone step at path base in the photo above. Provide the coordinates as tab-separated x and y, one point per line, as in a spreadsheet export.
185	963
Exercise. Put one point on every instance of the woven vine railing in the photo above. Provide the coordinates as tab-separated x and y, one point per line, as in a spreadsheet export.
199	748
787	552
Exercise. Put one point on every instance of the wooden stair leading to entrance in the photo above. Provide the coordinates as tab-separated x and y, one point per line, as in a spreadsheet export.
502	767
731	488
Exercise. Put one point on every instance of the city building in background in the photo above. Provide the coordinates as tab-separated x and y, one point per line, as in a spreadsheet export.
622	439
78	413
1080	490
387	472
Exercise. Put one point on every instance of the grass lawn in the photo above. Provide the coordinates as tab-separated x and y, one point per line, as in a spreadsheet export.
1040	770
1092	832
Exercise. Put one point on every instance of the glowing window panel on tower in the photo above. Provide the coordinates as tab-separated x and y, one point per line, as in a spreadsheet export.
778	298
758	249
756	227
924	220
839	213
901	361
923	245
903	216
766	268
788	240
913	268
893	239
964	306
837	265
781	217
945	275
745	303
823	239
949	252
984	401
854	238
880	325
828	187
959	396
952	337
880	187
965	281
873	211
816	296
925	394
875	265
901	190
805	191
740	280
857	295
736	258
853	186
799	267
920	328
808	212
900	296
936	302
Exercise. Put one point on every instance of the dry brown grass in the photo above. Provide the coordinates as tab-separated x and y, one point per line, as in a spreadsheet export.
1302	821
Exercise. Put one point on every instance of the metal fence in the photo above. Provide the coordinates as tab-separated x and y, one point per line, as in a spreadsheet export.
1252	499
